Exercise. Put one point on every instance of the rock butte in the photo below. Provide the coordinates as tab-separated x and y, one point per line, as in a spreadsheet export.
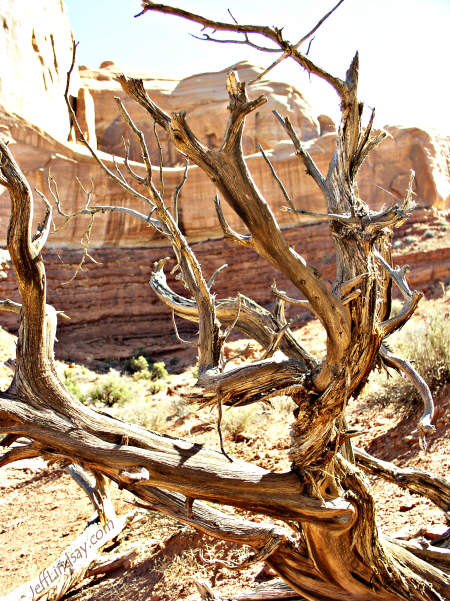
103	298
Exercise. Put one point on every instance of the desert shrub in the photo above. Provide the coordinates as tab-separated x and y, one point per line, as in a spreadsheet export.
72	385
429	349
159	371
283	405
136	364
236	421
156	387
180	407
143	413
110	391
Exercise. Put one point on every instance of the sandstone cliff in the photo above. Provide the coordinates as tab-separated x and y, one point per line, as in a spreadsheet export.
36	52
102	299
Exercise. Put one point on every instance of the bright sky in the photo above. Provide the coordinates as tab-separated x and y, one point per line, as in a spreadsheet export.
403	45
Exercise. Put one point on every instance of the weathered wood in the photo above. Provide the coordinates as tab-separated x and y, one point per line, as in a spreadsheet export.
330	549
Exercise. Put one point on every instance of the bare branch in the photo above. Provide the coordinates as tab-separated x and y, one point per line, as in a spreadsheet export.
140	137
416	480
404	367
177	191
228	232
161	175
94	485
178	337
311	167
276	178
43	230
11	306
254	320
136	176
288	299
212	279
94	154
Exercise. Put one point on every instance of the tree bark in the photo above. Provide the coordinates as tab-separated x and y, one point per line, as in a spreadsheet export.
330	548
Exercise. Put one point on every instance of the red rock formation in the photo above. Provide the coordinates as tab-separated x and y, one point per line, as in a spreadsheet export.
204	98
104	297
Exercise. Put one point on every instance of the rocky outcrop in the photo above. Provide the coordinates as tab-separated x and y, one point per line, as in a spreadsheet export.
204	98
385	174
36	52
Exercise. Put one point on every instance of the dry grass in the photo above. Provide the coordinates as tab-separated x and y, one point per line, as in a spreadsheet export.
425	342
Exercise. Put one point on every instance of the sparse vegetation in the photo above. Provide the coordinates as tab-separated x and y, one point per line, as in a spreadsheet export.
137	364
111	390
159	371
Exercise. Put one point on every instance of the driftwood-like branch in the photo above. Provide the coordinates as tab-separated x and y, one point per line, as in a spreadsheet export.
95	486
412	299
253	320
332	550
176	465
438	556
230	174
405	368
435	488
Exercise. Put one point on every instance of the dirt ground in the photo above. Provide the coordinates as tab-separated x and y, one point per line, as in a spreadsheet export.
42	509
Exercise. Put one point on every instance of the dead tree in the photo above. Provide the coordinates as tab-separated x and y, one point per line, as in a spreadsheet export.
330	547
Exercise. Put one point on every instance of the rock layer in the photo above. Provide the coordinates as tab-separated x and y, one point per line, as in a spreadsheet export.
114	313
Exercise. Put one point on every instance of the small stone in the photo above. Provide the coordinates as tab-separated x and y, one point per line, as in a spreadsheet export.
435	531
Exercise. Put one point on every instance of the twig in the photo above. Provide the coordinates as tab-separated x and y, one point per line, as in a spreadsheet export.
177	191
277	179
172	313
311	167
212	279
161	174
242	239
219	428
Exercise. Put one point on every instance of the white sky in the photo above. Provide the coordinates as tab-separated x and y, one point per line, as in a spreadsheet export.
403	46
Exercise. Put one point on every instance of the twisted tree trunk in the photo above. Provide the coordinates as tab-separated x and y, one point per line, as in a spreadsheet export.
330	547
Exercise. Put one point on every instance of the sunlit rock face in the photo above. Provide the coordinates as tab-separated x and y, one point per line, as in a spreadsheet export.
204	98
36	47
36	52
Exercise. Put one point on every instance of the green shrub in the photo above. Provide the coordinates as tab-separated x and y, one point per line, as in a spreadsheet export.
156	387
72	385
110	391
136	364
159	371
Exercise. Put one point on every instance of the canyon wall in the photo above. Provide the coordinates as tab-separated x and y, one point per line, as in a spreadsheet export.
36	51
112	309
114	313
